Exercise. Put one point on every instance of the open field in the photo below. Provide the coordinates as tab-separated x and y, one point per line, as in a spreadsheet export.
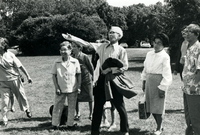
41	95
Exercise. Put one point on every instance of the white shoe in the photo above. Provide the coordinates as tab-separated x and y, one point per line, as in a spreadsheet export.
126	133
158	132
112	127
12	109
106	124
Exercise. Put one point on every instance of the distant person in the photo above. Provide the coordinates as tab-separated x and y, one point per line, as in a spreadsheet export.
10	81
191	80
11	104
157	77
87	73
183	49
66	75
181	57
106	50
111	126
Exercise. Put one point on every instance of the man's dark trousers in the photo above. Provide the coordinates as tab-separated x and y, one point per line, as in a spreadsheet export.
99	101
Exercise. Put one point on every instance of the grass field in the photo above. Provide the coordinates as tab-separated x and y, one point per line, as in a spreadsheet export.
41	95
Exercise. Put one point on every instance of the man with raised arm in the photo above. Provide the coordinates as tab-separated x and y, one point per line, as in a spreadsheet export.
105	50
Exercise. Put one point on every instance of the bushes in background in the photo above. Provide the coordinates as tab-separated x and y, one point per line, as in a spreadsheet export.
42	35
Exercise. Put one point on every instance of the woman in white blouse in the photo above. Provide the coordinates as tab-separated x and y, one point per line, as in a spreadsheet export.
157	77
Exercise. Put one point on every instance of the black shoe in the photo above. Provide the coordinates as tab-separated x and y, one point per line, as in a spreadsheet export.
90	118
77	118
72	127
28	114
12	110
5	123
53	128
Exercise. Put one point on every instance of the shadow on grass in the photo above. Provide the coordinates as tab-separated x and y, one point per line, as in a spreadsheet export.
136	61
166	111
32	119
132	111
133	131
81	129
40	127
135	69
47	126
175	111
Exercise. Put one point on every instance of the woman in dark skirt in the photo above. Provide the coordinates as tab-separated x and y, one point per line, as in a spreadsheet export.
157	77
87	71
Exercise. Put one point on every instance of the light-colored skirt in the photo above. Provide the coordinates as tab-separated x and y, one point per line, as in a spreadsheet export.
154	103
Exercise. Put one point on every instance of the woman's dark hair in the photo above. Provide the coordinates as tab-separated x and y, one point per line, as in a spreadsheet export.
5	43
80	47
163	37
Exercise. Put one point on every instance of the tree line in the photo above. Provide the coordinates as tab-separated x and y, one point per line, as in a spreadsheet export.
36	25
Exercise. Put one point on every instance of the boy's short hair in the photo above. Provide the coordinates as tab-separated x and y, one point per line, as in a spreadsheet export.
194	28
5	43
66	43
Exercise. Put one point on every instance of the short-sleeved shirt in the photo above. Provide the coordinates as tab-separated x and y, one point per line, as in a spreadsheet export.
191	65
66	74
9	65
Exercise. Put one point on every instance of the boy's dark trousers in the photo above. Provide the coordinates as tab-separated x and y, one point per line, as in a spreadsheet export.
99	101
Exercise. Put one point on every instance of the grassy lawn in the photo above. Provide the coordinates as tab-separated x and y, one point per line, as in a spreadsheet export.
41	95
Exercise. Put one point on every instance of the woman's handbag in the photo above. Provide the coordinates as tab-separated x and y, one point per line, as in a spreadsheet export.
143	114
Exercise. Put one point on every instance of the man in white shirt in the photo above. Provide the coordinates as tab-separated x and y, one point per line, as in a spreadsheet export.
10	81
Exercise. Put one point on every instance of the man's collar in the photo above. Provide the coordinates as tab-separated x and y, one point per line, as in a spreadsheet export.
195	43
59	60
113	45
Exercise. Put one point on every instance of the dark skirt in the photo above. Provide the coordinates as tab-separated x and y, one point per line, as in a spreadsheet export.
86	94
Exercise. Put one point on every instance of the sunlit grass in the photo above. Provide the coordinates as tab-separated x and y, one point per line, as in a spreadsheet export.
41	95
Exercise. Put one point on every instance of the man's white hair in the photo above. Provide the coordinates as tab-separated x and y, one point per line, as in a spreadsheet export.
117	30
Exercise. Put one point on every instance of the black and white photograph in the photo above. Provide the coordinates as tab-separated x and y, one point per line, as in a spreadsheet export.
99	67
